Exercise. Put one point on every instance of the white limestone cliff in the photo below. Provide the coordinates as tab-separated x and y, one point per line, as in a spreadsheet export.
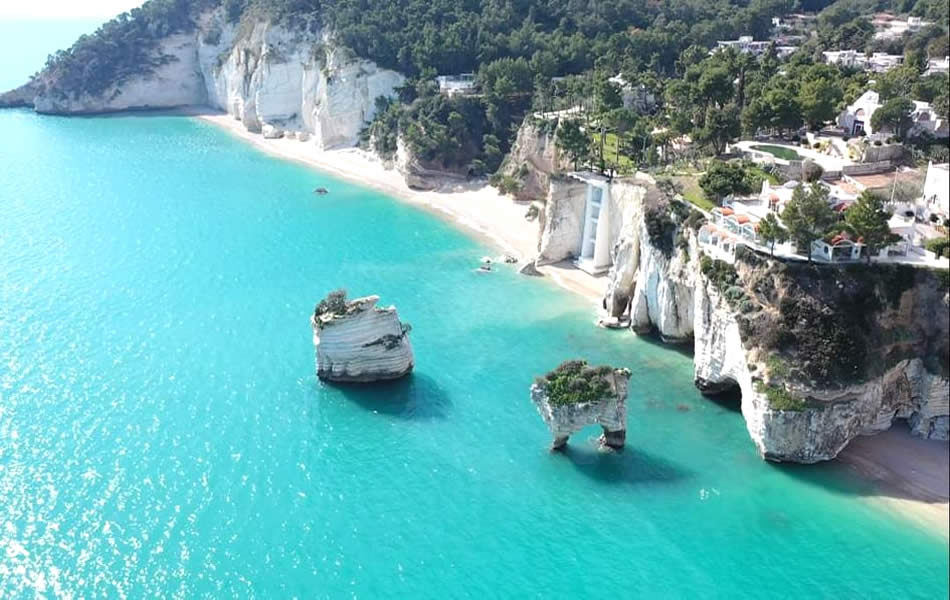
835	417
610	412
263	75
534	158
667	293
653	289
562	221
361	343
177	82
293	81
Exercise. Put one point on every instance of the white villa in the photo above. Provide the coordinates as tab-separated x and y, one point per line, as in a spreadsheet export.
878	62
856	118
746	44
451	85
936	198
737	222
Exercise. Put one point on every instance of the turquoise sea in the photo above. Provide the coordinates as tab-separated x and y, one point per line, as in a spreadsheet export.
162	432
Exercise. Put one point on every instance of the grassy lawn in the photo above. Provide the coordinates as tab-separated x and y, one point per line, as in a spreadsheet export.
693	194
778	151
624	164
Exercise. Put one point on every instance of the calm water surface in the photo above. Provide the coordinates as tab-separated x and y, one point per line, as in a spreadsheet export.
162	432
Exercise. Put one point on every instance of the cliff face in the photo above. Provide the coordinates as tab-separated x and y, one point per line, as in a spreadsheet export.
562	220
821	354
262	74
293	82
650	284
362	344
534	158
176	82
418	174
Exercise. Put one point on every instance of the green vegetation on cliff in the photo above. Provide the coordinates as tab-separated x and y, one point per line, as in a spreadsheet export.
546	55
333	305
835	326
573	382
121	48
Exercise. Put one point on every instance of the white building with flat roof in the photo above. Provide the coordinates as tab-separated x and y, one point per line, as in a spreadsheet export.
748	45
856	118
878	62
451	85
938	65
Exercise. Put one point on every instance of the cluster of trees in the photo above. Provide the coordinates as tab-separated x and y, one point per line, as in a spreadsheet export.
121	48
545	54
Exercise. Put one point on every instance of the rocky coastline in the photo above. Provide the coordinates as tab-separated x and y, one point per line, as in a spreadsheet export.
298	89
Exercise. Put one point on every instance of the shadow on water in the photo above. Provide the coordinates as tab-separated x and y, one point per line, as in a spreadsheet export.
416	396
684	348
631	466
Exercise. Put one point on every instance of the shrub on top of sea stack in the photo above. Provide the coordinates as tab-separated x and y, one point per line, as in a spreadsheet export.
575	395
357	342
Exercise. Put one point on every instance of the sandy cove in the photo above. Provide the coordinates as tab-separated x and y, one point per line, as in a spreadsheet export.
911	475
478	208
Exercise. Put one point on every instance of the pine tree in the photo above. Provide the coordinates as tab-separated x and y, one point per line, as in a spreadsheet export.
868	217
573	140
771	231
808	216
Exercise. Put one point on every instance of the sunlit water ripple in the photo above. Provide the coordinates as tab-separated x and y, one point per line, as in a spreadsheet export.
162	432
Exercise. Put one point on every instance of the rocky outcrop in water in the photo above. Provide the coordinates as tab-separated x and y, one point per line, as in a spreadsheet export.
357	342
574	396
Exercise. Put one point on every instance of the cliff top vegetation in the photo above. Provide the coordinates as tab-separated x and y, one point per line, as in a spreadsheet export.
574	382
840	325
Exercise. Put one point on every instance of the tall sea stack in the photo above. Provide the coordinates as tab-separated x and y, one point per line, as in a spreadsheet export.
357	342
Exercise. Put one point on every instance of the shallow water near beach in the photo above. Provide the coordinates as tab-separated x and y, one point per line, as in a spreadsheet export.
162	432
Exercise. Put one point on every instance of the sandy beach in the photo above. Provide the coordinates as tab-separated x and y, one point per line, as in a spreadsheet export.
480	209
910	474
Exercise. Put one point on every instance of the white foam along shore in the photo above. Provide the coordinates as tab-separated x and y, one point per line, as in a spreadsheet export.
890	462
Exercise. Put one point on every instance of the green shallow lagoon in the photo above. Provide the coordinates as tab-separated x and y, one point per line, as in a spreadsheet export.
162	432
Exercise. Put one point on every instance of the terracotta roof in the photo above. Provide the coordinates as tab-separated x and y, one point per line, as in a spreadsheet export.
742	219
726	211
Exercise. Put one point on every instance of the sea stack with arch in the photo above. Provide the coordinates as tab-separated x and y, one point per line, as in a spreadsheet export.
575	395
356	341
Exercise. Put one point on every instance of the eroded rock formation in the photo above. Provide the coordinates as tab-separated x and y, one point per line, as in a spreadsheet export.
821	354
575	395
266	76
357	342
